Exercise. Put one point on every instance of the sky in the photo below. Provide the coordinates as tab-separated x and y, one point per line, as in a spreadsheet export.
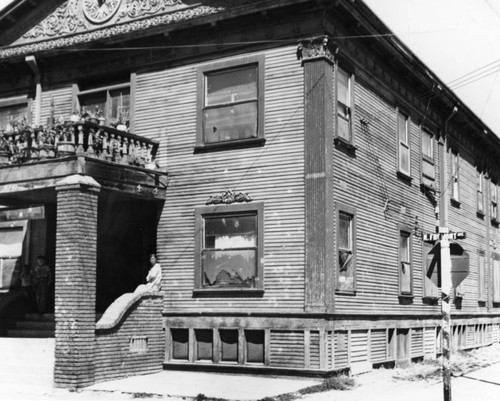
459	40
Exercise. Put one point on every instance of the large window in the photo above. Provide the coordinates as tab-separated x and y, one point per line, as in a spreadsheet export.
12	110
496	277
428	165
494	201
231	102
481	273
346	249
345	105
455	169
431	271
111	104
404	159
405	274
480	192
229	247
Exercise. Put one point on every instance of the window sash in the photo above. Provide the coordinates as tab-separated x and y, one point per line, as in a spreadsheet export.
480	196
428	146
496	278
345	252
114	103
494	201
454	176
481	278
404	144
344	106
405	274
10	113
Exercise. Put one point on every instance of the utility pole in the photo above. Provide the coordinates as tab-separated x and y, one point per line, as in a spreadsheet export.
445	257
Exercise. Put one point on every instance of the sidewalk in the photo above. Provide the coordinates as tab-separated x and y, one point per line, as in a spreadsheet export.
377	385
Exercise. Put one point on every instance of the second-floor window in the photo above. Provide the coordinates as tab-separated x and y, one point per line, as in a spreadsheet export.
404	159
455	174
111	103
428	169
480	191
345	103
494	201
12	110
231	102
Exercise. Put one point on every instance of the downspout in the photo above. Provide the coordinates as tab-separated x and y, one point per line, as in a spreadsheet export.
31	61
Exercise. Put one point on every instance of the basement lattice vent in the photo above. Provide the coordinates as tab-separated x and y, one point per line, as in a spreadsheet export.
138	344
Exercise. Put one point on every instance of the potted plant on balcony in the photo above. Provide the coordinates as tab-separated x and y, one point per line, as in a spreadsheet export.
46	142
21	137
4	149
64	135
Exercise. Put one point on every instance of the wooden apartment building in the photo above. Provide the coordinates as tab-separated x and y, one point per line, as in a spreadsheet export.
282	158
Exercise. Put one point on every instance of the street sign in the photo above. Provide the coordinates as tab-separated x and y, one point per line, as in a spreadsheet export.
459	263
440	236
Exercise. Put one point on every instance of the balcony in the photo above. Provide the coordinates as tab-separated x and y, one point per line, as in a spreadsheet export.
83	138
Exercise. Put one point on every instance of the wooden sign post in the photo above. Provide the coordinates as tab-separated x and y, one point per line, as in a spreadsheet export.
443	237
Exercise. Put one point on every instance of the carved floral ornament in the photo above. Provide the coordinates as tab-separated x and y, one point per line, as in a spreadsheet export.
229	197
70	25
320	46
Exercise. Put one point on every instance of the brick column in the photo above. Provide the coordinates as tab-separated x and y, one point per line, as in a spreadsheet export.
75	281
317	60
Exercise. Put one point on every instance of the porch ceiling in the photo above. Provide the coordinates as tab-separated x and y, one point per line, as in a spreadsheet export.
35	182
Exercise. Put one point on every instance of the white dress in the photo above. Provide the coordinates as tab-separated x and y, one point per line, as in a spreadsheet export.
153	280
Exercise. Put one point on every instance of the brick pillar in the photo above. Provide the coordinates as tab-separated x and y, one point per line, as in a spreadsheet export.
317	60
75	281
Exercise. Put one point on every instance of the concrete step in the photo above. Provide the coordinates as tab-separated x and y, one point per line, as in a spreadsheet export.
39	317
30	333
34	325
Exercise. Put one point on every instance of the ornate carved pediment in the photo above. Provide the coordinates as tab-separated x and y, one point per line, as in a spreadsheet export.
82	21
229	197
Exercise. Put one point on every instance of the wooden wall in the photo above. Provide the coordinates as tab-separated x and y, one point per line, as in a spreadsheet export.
273	173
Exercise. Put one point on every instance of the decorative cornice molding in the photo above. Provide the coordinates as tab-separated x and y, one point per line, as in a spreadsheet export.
229	197
67	27
320	46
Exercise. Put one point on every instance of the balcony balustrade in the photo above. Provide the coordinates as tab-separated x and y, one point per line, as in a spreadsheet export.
31	144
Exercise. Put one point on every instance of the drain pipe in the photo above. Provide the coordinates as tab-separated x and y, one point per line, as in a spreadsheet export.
31	61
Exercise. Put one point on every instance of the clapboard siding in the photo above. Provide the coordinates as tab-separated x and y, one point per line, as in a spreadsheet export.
417	342
341	350
272	173
429	341
378	346
62	100
314	350
359	346
287	349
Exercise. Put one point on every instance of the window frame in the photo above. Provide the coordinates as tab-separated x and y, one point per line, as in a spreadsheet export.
480	192
495	282
348	210
427	180
481	276
428	291
107	89
455	176
350	107
404	232
19	101
494	214
223	210
401	144
228	65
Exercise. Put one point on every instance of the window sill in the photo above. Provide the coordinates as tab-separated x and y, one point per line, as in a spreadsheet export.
345	292
480	214
404	177
406	296
238	144
345	146
495	222
456	203
228	292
